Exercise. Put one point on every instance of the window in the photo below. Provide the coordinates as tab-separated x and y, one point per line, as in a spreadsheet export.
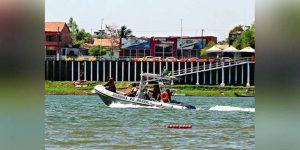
52	38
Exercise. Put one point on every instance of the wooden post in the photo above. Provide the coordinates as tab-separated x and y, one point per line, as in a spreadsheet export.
197	83
78	73
210	74
97	70
122	70
110	68
103	70
192	69
222	84
235	74
84	70
172	82
160	67
185	72
204	72
248	75
217	74
72	69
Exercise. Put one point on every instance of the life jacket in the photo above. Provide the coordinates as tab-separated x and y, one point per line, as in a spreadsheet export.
165	96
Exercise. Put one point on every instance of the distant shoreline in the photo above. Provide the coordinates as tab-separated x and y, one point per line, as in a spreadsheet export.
68	88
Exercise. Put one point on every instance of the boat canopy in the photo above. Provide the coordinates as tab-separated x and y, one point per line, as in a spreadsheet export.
157	76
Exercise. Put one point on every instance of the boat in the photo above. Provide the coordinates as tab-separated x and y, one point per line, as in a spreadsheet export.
244	95
109	97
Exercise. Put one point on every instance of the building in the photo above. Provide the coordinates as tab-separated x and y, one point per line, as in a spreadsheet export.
57	36
112	45
172	46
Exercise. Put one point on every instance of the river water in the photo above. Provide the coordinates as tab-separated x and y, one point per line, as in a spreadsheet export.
84	122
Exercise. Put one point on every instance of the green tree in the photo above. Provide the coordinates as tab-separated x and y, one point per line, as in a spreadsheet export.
82	37
124	32
208	46
79	36
237	29
246	39
97	50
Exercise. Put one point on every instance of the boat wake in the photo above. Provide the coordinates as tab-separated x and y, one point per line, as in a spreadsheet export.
230	108
120	105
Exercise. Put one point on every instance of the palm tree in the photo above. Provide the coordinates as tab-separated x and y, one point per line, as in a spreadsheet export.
124	32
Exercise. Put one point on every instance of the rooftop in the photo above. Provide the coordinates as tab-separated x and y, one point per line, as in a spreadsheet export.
54	26
107	42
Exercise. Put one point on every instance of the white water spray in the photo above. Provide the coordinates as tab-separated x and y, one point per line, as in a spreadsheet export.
230	108
120	105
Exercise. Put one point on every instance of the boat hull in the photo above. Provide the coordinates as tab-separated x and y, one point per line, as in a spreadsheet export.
243	95
109	97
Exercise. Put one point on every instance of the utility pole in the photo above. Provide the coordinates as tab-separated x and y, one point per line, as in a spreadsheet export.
181	38
102	22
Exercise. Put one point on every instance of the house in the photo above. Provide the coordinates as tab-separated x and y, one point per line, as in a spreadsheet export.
111	44
57	36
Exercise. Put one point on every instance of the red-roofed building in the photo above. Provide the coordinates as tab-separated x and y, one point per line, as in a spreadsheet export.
57	36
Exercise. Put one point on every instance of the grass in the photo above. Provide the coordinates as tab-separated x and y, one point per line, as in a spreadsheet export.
68	88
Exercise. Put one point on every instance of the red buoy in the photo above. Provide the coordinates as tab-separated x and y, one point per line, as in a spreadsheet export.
179	126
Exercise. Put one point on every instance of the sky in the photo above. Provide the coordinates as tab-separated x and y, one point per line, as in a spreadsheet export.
156	17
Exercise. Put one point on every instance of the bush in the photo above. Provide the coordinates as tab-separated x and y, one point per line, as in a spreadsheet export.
97	51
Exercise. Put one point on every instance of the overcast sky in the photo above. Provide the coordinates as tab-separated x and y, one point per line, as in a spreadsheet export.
156	17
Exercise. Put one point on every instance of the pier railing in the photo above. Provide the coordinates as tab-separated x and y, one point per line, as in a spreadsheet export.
212	66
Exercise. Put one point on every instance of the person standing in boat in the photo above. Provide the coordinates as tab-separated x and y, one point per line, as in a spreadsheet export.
110	85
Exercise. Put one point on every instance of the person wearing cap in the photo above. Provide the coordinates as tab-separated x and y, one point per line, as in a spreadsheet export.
111	85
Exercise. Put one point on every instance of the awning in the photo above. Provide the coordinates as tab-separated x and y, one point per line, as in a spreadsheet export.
248	50
214	49
230	49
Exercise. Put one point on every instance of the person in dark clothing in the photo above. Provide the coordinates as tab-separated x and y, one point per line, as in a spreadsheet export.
110	85
156	92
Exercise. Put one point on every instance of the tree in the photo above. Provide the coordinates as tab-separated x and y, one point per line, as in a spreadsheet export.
79	36
73	28
124	32
114	38
235	33
208	46
97	50
82	37
246	39
237	29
